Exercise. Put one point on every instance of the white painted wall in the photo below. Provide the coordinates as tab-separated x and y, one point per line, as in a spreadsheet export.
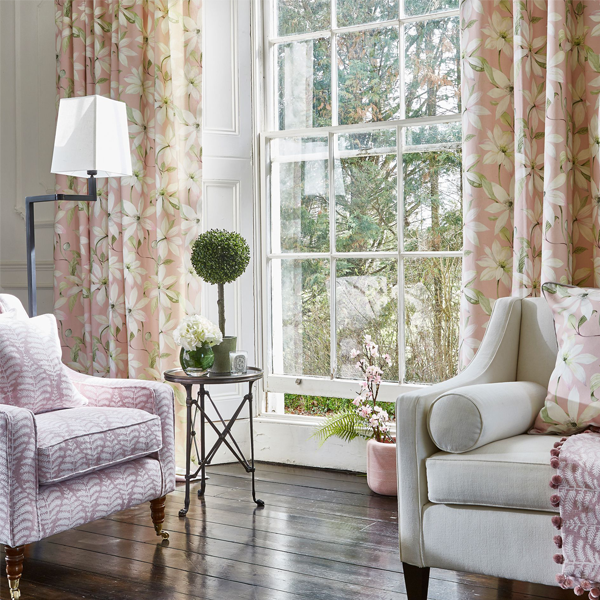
27	115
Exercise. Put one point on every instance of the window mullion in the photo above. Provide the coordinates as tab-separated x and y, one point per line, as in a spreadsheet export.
334	66
332	259
400	229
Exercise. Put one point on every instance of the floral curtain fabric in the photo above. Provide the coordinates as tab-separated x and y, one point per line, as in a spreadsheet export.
123	279
531	85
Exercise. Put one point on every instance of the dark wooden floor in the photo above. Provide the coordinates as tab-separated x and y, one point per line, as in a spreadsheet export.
322	535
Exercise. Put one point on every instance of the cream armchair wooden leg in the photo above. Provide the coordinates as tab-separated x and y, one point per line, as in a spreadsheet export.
416	580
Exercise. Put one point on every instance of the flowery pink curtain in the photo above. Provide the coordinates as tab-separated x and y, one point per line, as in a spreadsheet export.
123	279
531	85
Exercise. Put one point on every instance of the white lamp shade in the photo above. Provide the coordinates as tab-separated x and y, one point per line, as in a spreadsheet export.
91	135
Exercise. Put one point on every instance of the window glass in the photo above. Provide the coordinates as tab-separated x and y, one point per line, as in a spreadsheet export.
302	16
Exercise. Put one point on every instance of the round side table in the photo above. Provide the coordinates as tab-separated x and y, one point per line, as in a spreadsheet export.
196	405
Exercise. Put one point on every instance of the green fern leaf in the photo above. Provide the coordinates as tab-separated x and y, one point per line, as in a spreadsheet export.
346	425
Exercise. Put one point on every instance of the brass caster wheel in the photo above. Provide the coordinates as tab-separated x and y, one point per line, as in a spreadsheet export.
15	592
160	533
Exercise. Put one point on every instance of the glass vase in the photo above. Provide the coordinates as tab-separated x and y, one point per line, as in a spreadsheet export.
198	361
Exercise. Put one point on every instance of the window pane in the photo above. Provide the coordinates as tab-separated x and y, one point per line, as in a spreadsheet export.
351	12
368	76
366	304
366	192
432	68
431	301
423	7
433	201
299	16
446	133
300	317
304	81
299	195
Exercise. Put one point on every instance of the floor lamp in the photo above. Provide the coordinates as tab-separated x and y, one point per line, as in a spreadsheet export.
92	140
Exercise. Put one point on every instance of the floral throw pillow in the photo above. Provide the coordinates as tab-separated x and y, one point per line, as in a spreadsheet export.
32	375
573	400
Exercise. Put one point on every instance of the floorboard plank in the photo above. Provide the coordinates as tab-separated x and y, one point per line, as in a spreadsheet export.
355	484
321	536
182	554
302	492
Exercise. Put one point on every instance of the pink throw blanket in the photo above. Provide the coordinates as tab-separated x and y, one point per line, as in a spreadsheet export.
577	462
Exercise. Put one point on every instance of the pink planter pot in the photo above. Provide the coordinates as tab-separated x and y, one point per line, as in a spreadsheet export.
381	468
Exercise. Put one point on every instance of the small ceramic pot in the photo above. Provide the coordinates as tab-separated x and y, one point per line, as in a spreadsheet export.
381	468
222	362
198	361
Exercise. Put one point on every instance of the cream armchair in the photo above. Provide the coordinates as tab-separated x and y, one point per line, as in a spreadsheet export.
485	510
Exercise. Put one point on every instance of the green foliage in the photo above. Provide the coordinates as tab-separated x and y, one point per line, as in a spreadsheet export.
220	256
322	405
346	425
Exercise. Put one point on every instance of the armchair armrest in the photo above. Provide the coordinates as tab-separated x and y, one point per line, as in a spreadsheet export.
470	417
496	361
19	523
152	396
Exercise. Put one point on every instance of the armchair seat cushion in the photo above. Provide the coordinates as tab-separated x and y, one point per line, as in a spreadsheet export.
76	441
510	473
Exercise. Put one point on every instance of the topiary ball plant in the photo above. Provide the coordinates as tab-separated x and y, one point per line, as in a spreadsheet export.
220	257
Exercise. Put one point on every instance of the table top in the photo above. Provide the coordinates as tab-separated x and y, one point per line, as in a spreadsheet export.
180	376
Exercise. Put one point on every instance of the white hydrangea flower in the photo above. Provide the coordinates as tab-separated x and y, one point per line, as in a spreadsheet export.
195	331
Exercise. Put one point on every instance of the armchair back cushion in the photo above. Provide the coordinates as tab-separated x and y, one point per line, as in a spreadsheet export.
573	400
537	342
32	375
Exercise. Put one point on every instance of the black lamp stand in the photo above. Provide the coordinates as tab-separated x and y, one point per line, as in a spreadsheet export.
30	201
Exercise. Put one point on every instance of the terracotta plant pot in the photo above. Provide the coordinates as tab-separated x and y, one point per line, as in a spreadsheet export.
381	468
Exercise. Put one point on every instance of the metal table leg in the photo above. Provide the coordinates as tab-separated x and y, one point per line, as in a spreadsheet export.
202	442
258	501
188	450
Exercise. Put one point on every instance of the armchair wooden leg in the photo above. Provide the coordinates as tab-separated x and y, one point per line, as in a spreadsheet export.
157	508
416	580
14	569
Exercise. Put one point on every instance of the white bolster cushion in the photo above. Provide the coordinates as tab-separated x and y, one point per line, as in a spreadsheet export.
473	416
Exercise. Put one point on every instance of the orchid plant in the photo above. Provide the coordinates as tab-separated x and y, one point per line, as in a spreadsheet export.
367	419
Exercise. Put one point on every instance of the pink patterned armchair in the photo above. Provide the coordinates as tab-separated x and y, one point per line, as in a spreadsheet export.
63	468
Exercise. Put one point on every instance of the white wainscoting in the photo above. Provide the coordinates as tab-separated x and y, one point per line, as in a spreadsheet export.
288	439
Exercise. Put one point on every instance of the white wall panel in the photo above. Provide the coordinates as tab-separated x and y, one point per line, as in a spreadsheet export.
27	117
228	196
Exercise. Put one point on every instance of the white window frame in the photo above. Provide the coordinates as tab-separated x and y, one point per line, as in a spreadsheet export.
266	126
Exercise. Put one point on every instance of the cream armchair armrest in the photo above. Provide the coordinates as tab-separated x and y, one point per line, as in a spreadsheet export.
495	361
467	418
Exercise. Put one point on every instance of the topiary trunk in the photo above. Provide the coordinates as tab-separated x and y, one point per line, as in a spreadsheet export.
221	306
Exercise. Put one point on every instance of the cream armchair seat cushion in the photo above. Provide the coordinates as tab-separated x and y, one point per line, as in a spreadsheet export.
470	417
512	473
